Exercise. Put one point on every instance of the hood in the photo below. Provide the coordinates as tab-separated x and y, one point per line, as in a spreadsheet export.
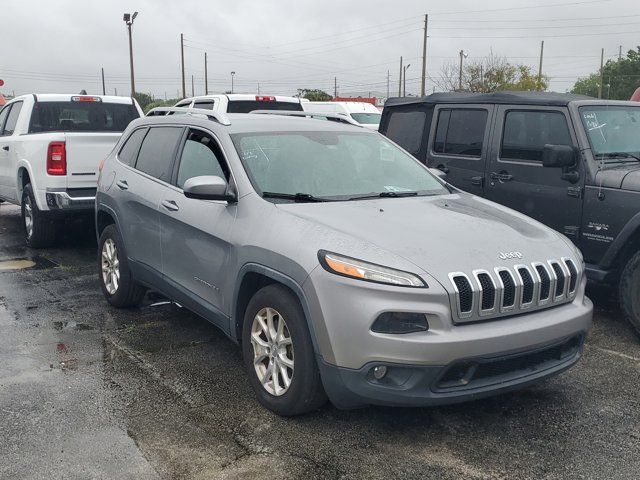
626	177
438	235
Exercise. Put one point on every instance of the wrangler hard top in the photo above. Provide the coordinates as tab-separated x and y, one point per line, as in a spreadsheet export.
569	161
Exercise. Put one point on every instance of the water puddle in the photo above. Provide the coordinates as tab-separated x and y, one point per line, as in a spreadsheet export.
36	262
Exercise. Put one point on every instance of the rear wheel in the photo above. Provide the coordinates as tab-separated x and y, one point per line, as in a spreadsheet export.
278	353
630	291
39	231
116	280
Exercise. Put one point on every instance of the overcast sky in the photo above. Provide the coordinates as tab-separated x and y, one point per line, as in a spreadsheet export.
282	45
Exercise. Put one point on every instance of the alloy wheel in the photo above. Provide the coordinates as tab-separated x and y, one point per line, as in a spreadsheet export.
28	217
272	351
110	266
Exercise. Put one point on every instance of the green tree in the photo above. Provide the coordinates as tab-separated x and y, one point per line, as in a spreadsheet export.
314	94
143	99
620	78
491	74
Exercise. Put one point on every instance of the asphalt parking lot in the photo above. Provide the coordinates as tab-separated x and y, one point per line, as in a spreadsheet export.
88	391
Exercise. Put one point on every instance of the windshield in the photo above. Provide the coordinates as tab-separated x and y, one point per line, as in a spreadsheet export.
81	117
367	118
612	129
332	165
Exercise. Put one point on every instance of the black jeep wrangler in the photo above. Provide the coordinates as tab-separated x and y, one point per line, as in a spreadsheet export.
569	161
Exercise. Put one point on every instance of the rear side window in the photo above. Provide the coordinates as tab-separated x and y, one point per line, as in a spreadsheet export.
3	115
246	106
201	156
81	117
129	150
460	132
206	104
12	119
527	132
157	152
407	129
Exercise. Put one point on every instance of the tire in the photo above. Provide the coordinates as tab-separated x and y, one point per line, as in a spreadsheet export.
294	354
116	281
629	291
39	231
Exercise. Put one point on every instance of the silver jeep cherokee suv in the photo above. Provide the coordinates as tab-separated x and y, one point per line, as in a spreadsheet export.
342	266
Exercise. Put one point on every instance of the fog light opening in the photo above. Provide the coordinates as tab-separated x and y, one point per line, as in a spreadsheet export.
379	372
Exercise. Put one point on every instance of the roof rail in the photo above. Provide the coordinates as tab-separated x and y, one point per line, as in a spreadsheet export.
340	117
221	118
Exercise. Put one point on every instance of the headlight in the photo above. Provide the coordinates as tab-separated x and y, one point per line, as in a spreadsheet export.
350	267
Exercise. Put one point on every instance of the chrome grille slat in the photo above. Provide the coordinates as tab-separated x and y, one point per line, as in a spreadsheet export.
509	290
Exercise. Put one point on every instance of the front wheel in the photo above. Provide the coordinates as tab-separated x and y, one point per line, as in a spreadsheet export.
116	280
278	353
630	291
39	231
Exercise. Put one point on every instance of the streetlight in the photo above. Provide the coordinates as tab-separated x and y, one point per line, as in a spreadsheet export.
128	19
404	79
463	55
233	74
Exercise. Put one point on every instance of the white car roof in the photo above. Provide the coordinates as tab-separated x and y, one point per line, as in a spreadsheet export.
347	107
245	97
66	97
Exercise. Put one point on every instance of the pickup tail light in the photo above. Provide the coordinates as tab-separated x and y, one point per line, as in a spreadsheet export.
265	98
57	159
101	165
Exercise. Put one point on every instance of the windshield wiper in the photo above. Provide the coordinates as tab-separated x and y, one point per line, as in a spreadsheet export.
384	195
296	197
614	155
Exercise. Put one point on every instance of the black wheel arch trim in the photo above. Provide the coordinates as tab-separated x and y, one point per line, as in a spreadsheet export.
618	246
280	278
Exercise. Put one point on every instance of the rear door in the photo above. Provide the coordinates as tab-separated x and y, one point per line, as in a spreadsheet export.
8	160
459	144
141	181
517	178
196	233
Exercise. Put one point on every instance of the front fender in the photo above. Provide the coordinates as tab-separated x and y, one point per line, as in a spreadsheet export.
630	230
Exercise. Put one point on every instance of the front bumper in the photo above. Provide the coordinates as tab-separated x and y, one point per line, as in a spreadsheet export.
72	199
464	380
342	311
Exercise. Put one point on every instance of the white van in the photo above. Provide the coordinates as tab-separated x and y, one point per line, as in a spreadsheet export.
365	114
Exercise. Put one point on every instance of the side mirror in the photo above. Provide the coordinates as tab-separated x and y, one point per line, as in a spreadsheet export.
438	173
209	187
559	156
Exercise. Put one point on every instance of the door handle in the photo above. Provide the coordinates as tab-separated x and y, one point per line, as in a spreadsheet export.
477	181
170	205
6	148
501	177
443	168
122	184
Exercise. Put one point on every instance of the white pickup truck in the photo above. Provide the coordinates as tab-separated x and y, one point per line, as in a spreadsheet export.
50	150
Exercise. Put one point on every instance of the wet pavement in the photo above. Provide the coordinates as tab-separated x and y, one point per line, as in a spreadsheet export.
88	391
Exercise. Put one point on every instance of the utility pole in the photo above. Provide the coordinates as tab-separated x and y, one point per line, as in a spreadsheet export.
601	73
540	66
462	57
206	78
620	53
424	56
335	87
388	75
233	74
193	93
128	19
184	87
404	80
104	90
400	80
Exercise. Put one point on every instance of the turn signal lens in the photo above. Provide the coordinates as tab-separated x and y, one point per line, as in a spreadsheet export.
350	267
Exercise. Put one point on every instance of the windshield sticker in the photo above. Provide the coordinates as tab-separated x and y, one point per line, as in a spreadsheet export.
592	123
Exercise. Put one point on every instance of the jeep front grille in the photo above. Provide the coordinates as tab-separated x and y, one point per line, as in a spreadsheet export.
509	291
